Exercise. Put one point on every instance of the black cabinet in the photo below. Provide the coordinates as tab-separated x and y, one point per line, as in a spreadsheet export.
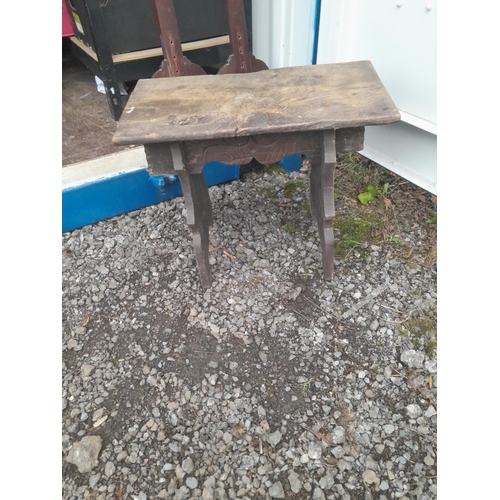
118	40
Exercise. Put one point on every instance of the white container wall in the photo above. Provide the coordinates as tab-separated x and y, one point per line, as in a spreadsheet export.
283	32
398	36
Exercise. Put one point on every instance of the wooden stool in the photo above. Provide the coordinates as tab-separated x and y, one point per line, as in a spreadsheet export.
318	111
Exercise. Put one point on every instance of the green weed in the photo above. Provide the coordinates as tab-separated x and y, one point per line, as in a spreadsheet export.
371	192
292	187
292	228
275	169
422	331
433	219
305	388
353	231
394	239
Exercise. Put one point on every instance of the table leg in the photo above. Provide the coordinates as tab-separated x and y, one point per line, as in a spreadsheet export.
199	211
322	201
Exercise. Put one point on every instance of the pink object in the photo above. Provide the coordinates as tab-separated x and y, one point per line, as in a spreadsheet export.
67	29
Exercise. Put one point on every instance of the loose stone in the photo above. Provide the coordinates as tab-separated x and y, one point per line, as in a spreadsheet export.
369	477
412	358
84	453
295	482
276	490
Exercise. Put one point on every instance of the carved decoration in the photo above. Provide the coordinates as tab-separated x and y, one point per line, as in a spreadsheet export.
322	199
266	149
241	60
174	62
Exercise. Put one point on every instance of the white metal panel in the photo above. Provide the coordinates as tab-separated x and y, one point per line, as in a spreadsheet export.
283	32
400	38
406	150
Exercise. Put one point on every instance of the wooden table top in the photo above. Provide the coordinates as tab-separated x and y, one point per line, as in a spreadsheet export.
318	97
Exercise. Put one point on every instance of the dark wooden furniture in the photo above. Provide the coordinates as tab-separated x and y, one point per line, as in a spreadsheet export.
175	63
318	111
120	41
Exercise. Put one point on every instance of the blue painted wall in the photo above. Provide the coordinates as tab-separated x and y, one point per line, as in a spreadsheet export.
105	198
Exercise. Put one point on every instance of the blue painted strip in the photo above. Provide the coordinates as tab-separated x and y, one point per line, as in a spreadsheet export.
99	200
291	163
317	15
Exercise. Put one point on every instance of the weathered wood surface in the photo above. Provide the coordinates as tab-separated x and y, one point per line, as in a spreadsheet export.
320	97
198	211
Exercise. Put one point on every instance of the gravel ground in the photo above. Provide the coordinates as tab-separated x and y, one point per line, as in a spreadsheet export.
272	383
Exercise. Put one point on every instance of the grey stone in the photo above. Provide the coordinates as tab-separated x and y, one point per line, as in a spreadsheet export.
326	482
175	447
389	429
209	482
84	453
413	359
431	366
94	479
274	438
414	411
338	435
318	494
430	412
338	452
208	493
192	483
417	382
72	343
314	451
109	469
295	482
86	370
188	465
369	477
97	414
247	462
179	473
276	490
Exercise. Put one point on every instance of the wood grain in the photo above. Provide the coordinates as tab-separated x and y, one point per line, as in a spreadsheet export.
322	199
320	97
